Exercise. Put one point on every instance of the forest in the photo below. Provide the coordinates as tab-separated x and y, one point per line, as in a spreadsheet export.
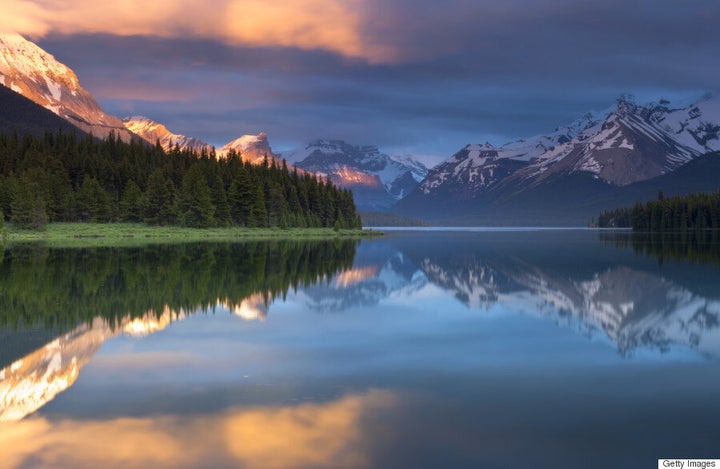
63	177
61	288
672	214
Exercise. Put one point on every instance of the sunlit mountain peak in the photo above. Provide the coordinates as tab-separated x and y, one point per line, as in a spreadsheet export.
33	381
151	322
252	308
357	275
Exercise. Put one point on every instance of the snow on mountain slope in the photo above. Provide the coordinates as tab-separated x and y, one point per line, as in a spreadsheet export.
476	168
36	379
29	70
153	132
696	126
252	148
627	147
377	179
632	308
622	145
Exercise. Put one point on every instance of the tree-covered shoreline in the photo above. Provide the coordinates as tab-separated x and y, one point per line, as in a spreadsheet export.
671	214
68	178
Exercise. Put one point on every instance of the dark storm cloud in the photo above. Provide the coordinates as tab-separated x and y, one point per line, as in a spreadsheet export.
457	71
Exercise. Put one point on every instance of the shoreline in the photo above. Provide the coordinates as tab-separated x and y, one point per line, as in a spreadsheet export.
129	234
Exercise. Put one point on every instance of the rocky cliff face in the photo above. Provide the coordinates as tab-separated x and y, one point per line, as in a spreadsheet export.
29	70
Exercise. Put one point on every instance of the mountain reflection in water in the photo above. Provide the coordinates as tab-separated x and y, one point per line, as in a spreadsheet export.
106	292
421	349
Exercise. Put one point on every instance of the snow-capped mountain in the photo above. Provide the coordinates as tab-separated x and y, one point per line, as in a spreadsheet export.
377	179
252	148
378	274
635	143
633	309
36	379
599	292
30	71
477	168
153	132
593	156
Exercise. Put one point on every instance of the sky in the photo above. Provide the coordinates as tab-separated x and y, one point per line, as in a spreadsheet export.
422	77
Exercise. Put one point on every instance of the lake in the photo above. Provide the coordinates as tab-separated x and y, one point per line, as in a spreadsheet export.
425	348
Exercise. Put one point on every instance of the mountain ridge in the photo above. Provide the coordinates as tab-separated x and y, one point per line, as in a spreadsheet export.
34	73
378	180
596	159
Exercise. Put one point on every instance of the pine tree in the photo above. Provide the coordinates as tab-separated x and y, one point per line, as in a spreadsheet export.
93	203
241	198
220	201
131	203
8	188
159	200
196	208
28	207
259	212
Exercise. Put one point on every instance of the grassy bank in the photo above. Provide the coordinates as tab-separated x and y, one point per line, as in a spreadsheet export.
126	234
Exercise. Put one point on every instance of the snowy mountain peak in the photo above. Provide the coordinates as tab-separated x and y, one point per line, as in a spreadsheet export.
246	142
34	73
621	145
377	179
153	132
18	55
252	148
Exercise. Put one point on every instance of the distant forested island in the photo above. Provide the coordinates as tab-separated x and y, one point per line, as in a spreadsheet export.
673	214
63	177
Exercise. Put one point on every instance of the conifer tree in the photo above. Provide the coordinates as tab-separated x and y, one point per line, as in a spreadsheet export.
259	212
28	206
196	208
220	201
159	200
131	203
93	202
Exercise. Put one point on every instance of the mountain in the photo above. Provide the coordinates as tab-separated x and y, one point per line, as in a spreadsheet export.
252	148
561	178
30	71
26	117
153	132
376	179
599	290
37	378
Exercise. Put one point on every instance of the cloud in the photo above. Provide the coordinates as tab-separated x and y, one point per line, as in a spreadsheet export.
330	25
409	75
308	435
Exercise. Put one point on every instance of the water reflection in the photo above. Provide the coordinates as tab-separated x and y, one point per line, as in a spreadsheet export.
701	246
574	280
441	351
317	435
34	380
60	288
95	295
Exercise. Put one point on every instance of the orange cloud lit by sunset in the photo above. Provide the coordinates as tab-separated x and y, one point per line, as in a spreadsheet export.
308	435
331	25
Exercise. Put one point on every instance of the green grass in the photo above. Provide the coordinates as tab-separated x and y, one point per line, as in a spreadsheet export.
130	234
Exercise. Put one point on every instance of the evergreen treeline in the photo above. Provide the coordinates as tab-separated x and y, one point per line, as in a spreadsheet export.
63	177
676	214
61	288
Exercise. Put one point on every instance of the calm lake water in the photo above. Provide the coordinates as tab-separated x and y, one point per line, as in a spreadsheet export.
521	348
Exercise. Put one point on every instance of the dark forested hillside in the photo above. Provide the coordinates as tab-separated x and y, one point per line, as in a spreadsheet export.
674	214
21	115
65	177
